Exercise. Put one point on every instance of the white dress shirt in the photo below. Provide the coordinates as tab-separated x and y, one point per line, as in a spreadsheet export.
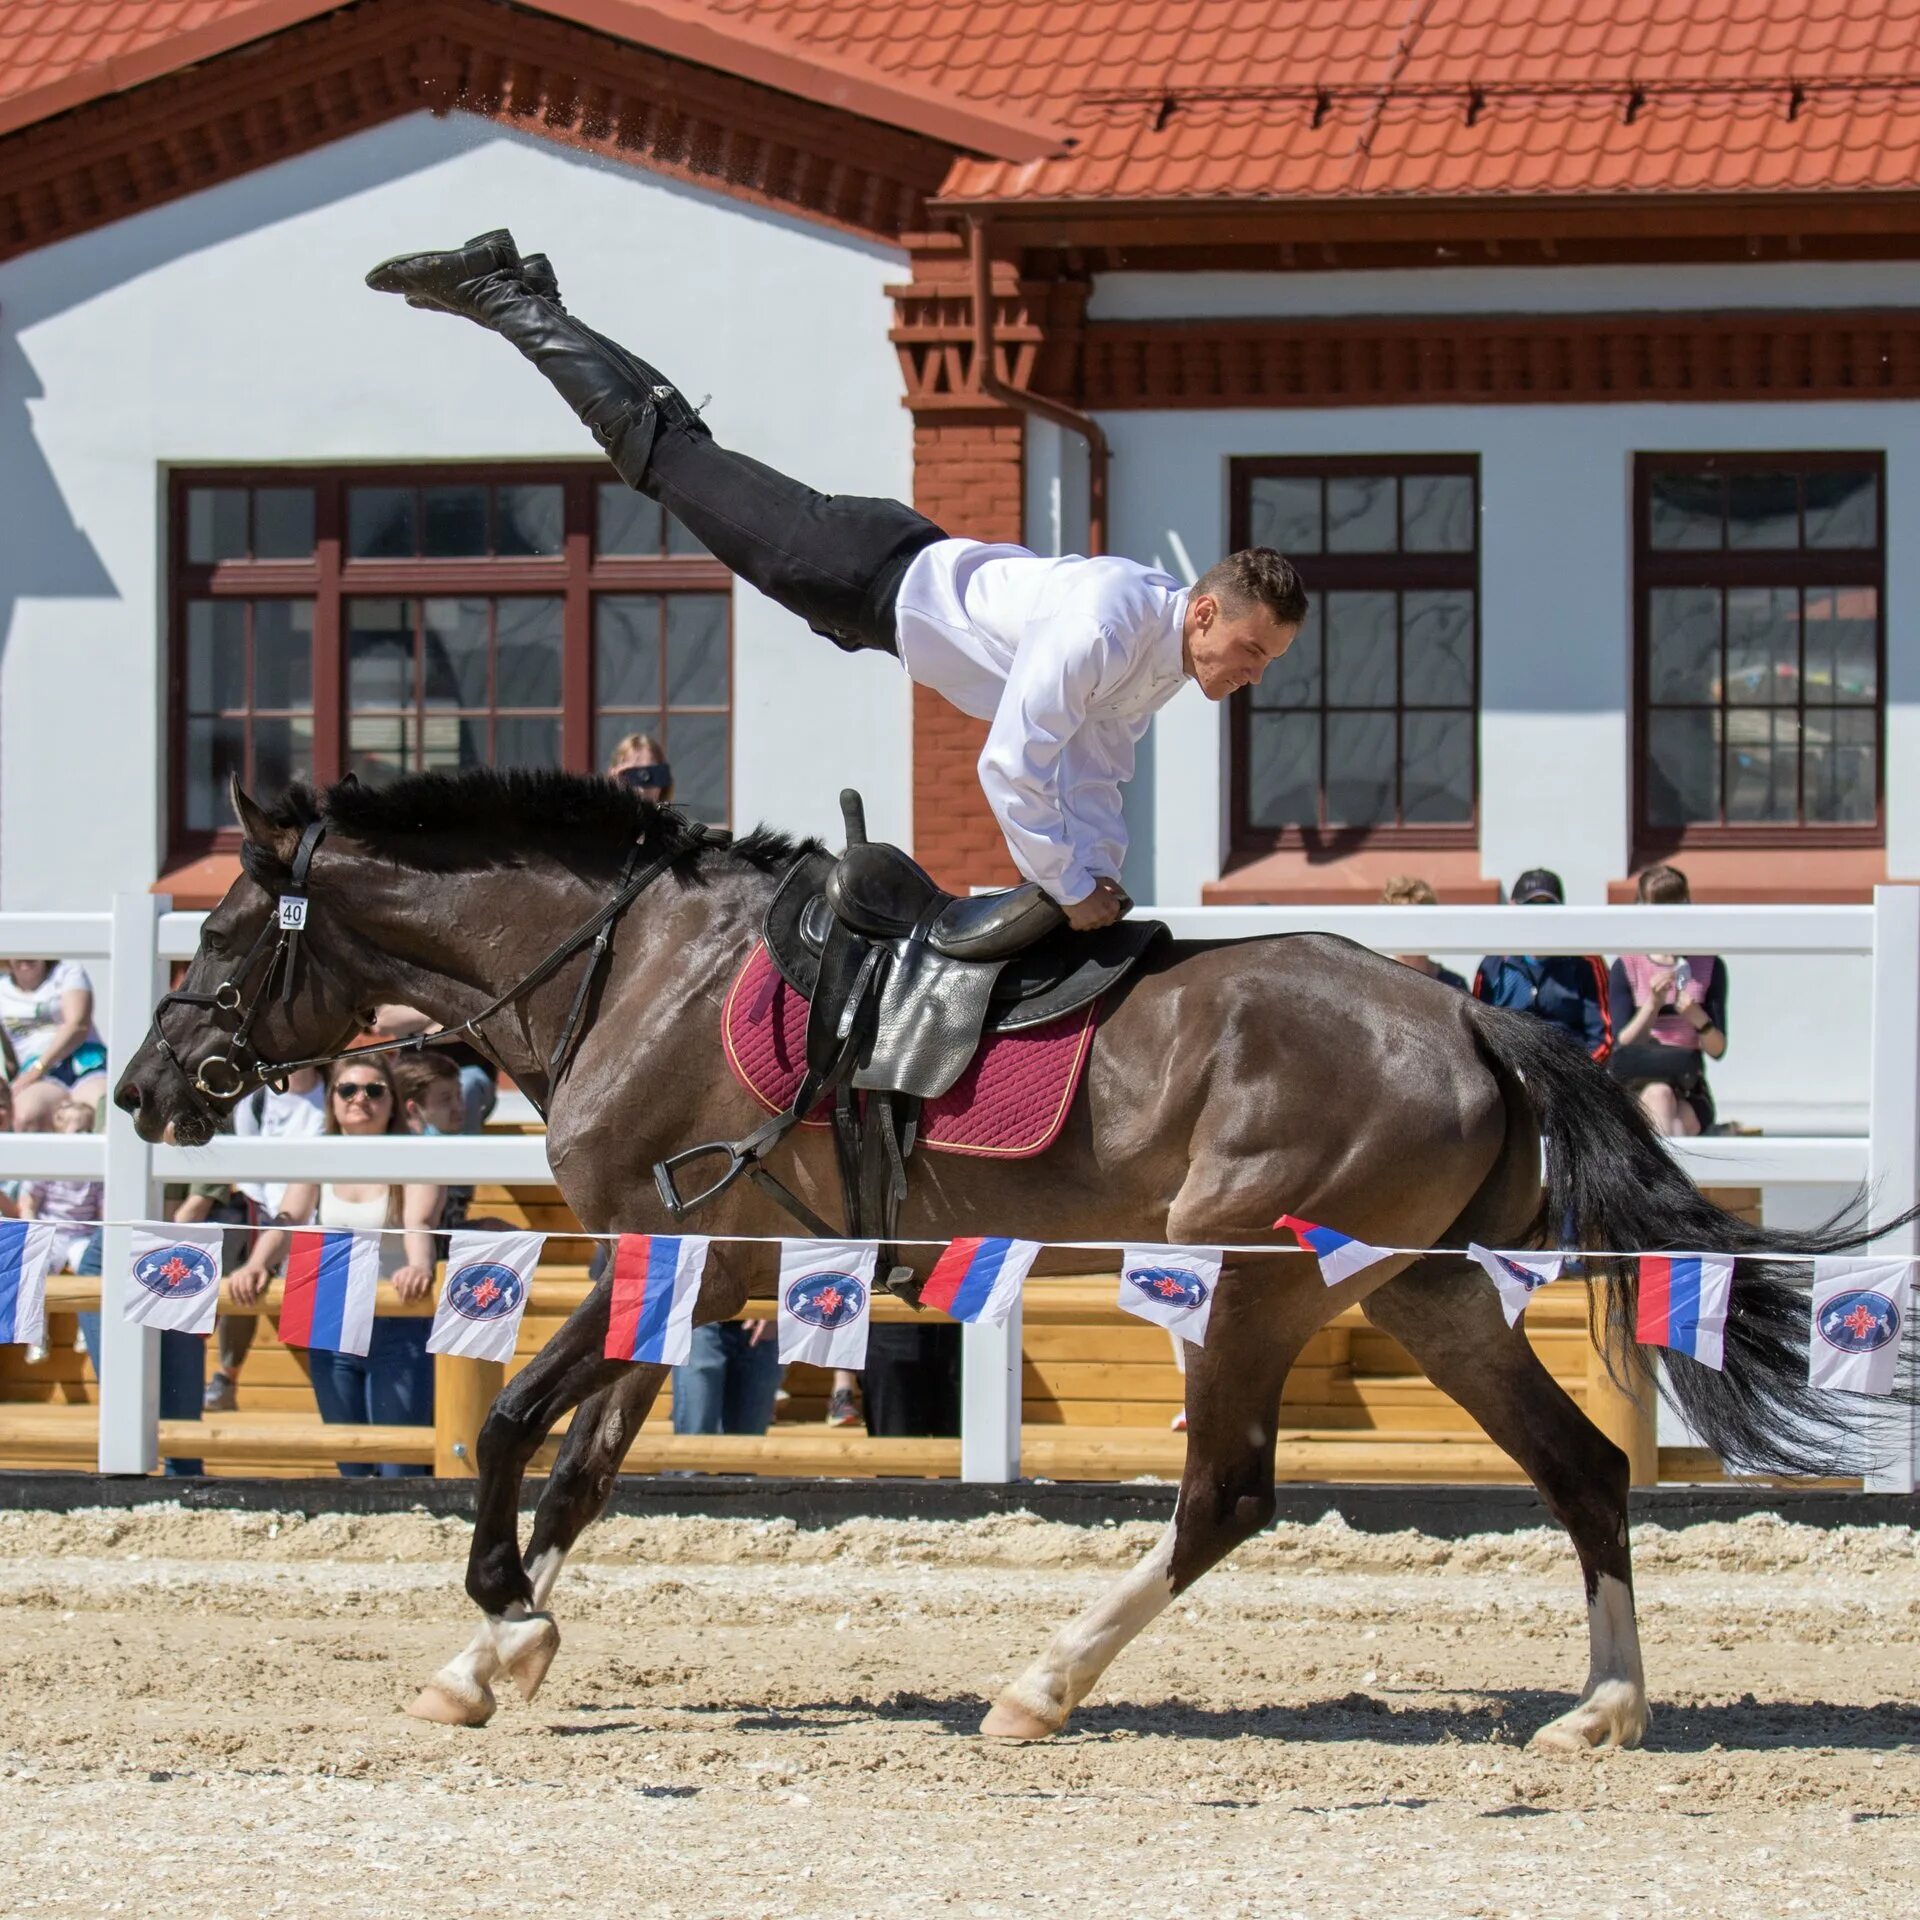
1069	659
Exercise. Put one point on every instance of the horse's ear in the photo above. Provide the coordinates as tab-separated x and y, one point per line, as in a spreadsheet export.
258	828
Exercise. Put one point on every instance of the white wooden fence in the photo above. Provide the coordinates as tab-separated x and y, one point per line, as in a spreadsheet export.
140	940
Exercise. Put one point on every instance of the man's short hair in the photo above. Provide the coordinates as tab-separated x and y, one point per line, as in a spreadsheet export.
1665	887
415	1073
1257	577
1408	890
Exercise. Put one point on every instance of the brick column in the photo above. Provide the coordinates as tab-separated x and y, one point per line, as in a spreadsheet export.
969	475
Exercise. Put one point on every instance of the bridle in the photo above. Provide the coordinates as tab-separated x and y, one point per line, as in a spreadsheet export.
229	1074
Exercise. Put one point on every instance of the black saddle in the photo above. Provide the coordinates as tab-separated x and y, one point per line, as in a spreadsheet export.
904	981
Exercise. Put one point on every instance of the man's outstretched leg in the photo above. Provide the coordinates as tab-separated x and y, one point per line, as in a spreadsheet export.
836	560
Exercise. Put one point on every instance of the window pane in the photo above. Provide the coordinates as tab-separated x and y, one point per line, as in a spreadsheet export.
1763	766
379	653
453	653
1437	649
628	522
1684	511
216	753
1283	511
1842	751
1683	768
1436	768
1763	510
522	740
282	653
380	746
282	523
1843	509
1283	770
1360	770
626	649
1763	646
449	741
528	673
380	523
282	754
1683	635
1843	666
1362	516
1360	650
683	545
1438	510
216	655
1294	679
454	521
697	748
612	728
216	524
527	520
697	649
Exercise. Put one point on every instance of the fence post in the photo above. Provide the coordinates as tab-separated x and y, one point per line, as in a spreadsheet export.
990	1400
1630	1422
463	1390
129	1355
1893	1109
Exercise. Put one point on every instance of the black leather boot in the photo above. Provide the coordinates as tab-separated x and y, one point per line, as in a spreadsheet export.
622	400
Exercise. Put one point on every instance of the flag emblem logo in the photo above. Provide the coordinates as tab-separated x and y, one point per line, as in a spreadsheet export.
486	1291
1858	1321
827	1300
1170	1286
176	1272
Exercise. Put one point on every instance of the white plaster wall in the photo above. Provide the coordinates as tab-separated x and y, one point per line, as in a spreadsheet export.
233	327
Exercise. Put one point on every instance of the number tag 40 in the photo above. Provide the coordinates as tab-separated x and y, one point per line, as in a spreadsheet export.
293	912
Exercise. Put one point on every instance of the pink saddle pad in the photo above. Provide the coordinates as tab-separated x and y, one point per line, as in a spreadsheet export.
1010	1103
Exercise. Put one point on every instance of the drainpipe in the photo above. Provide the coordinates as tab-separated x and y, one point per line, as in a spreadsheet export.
1074	419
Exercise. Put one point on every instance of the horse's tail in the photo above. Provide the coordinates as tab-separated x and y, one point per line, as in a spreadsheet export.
1611	1185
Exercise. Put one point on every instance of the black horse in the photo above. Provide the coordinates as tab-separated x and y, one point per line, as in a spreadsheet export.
1228	1082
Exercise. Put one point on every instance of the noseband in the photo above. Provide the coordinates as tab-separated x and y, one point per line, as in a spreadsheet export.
225	1076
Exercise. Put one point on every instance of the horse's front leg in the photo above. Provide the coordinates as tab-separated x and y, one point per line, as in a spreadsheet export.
515	1633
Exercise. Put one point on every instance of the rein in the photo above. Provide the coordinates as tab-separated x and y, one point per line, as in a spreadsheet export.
228	1075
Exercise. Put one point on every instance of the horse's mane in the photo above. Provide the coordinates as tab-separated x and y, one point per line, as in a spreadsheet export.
420	818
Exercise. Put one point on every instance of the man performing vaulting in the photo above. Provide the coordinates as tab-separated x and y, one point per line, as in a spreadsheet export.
1067	658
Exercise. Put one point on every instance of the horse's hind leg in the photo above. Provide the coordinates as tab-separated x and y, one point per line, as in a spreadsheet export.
1447	1315
1226	1491
514	1633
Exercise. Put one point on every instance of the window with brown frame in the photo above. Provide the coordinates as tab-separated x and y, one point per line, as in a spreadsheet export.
1367	728
385	621
1760	588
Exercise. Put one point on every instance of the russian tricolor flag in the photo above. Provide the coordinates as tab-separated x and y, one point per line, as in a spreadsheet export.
656	1286
1340	1256
26	1251
1683	1305
980	1280
327	1304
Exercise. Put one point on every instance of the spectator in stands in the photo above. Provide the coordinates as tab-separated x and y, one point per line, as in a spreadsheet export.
393	1384
727	1383
1568	990
911	1383
76	1205
433	1101
479	1077
1670	1015
293	1112
640	762
1406	890
46	1008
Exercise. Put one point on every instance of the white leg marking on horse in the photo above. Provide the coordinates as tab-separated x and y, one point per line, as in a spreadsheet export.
1613	1709
1038	1703
461	1693
520	1643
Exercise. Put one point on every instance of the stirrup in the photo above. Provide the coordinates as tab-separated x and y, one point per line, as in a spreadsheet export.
679	1205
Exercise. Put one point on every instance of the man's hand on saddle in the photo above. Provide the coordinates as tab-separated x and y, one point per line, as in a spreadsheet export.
1101	908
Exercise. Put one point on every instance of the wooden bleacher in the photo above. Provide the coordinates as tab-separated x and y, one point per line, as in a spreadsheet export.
1100	1392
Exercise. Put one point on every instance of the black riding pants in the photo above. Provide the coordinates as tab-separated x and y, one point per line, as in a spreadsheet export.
835	559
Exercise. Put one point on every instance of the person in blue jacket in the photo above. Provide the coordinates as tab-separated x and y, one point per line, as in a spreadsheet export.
1569	989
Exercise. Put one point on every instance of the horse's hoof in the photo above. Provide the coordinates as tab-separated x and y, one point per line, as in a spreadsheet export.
467	1705
526	1649
1612	1716
1007	1720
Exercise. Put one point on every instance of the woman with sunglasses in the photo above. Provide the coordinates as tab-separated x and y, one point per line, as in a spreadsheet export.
393	1384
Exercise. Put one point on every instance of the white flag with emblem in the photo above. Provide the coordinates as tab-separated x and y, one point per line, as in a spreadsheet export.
1860	1313
1172	1286
489	1276
174	1278
826	1301
1519	1276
